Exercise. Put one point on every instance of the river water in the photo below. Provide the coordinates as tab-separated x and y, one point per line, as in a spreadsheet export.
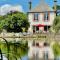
23	58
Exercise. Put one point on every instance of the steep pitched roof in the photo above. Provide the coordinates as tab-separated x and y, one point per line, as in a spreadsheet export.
42	7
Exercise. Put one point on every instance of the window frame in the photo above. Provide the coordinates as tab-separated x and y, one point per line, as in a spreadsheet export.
36	16
46	16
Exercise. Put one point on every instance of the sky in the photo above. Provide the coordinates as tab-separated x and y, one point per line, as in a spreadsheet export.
22	5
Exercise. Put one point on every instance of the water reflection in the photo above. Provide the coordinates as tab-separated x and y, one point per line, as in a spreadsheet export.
16	50
40	51
4	58
25	58
36	51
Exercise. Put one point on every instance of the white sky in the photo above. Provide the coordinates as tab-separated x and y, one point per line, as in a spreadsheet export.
7	8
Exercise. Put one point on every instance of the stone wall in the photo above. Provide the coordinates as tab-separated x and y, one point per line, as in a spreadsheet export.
42	37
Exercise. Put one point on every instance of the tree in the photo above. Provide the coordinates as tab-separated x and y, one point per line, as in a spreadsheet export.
56	49
56	24
58	9
14	22
16	49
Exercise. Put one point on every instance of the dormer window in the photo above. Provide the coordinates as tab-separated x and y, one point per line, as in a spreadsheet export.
36	16
46	16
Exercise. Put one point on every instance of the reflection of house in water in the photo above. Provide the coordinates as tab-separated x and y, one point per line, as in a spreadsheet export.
40	50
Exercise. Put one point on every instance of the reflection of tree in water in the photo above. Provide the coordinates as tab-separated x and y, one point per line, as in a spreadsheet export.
16	50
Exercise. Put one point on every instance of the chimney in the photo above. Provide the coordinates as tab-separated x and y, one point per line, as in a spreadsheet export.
30	5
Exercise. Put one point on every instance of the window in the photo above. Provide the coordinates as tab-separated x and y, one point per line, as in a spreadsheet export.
46	28
46	16
36	16
35	28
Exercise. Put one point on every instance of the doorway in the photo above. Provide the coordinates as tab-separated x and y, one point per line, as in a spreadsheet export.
35	29
46	28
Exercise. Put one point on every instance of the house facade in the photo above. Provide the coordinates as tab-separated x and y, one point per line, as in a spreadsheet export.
41	18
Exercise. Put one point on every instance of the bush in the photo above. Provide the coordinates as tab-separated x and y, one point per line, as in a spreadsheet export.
56	49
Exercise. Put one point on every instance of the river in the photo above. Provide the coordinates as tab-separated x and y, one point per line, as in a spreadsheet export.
23	58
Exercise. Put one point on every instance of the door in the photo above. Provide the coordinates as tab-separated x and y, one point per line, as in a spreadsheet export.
35	29
46	28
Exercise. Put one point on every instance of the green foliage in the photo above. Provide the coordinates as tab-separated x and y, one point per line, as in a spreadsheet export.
14	22
56	49
57	7
56	24
16	49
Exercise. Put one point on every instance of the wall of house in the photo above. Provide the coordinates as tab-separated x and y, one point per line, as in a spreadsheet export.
51	19
30	18
41	19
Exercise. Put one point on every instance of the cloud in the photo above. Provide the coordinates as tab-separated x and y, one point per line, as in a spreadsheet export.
4	9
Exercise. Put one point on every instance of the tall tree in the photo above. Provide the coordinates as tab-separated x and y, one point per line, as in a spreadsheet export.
56	24
14	22
58	9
